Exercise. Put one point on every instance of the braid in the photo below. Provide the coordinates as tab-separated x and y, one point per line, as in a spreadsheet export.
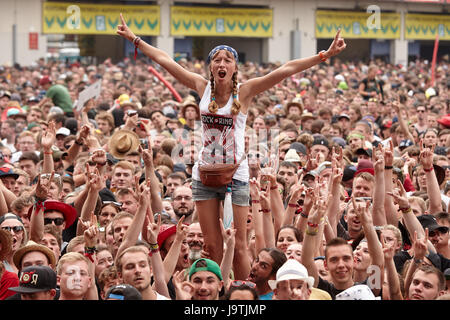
236	107
213	107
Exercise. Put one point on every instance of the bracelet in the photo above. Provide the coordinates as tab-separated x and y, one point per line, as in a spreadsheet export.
78	143
101	164
265	210
406	210
150	253
428	170
311	233
303	215
388	167
322	56
293	205
90	250
274	188
48	152
255	201
154	246
136	44
313	225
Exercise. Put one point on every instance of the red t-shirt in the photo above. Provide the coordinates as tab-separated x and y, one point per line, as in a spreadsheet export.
9	279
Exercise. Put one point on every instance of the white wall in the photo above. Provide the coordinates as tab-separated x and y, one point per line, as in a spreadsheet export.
27	15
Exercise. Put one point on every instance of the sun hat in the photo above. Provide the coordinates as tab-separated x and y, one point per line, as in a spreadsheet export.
33	246
292	270
123	142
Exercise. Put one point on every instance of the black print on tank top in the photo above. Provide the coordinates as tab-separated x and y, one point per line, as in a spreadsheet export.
218	133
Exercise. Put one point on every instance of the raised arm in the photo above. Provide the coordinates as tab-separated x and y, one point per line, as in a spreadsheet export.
268	228
399	108
257	85
227	260
433	190
192	80
420	251
155	190
132	234
393	279
47	141
37	215
257	218
378	212
160	284
90	239
391	212
170	260
373	244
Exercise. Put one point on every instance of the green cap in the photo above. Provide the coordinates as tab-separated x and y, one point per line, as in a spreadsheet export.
211	266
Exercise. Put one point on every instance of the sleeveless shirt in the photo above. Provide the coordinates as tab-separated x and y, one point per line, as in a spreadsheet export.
223	137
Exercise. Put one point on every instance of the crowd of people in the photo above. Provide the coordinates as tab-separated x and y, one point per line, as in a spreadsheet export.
343	195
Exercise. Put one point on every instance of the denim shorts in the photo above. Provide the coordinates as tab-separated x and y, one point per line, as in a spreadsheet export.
240	192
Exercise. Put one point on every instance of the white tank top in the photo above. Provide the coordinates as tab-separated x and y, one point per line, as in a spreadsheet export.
223	137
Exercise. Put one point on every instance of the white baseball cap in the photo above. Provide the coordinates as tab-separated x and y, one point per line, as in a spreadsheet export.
64	131
292	270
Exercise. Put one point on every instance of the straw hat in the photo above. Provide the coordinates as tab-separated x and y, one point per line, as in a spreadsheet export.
33	246
123	142
190	103
297	101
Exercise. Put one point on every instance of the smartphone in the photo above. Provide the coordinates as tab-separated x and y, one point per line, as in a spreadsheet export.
144	143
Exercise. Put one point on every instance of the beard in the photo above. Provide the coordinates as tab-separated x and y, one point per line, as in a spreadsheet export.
184	213
195	254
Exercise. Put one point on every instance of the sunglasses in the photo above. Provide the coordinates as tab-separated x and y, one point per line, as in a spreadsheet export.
15	229
117	204
57	221
238	283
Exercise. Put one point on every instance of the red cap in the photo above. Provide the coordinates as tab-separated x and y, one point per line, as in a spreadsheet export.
44	80
69	212
165	231
445	121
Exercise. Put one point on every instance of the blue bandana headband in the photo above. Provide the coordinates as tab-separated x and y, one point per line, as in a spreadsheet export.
222	47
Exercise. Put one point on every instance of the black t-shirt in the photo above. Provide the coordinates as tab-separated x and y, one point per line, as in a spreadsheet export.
371	86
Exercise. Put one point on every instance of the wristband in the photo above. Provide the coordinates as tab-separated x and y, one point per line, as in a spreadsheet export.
322	56
101	164
78	143
293	205
274	188
90	250
48	152
255	201
265	210
428	170
388	167
406	210
136	44
89	255
154	246
302	214
313	225
311	233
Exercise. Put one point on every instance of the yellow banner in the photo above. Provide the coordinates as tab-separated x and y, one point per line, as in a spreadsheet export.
82	18
358	25
427	26
224	22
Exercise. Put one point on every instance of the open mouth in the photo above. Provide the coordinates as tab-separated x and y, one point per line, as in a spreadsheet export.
222	73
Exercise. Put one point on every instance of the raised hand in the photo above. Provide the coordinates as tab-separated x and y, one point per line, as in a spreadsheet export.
389	154
420	245
99	156
337	46
182	230
183	289
91	231
399	195
153	229
363	212
124	31
49	136
43	188
146	155
228	235
426	156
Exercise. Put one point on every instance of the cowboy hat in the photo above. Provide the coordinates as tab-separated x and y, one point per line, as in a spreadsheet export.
69	212
123	142
295	102
33	246
190	103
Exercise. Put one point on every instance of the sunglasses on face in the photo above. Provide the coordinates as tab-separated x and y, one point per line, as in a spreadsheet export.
57	221
117	204
238	283
15	229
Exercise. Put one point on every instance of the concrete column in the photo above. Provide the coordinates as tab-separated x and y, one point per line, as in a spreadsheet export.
399	49
165	41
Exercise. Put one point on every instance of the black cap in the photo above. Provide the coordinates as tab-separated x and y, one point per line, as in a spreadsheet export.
429	221
299	147
123	292
36	279
349	173
321	140
362	151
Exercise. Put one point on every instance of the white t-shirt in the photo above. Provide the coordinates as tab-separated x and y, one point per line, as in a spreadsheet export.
224	133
